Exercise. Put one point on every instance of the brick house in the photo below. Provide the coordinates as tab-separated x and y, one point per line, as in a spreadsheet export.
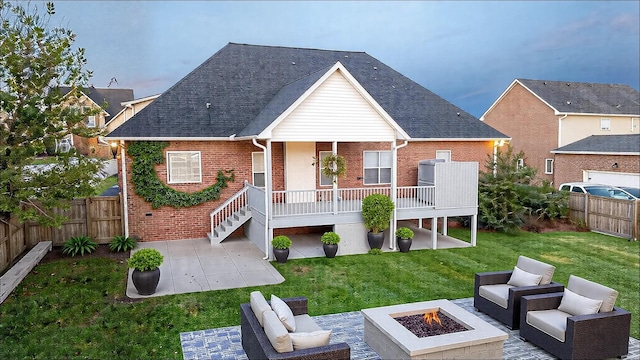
542	115
606	159
268	113
109	101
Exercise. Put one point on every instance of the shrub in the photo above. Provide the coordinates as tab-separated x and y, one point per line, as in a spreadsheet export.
281	242
404	233
330	238
375	251
145	259
376	211
79	244
122	243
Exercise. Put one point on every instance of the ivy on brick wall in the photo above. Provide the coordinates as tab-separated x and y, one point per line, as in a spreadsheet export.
146	154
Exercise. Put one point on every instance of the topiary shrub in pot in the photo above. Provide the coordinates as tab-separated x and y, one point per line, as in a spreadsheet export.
376	212
330	242
281	245
404	237
146	270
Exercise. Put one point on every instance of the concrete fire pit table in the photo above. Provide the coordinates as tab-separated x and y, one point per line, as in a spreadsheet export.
391	340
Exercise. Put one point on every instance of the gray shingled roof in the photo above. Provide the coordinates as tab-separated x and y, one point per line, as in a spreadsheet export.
604	144
586	98
113	97
248	86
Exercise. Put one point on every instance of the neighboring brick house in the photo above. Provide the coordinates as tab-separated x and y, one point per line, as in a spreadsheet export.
129	108
109	101
606	159
267	112
542	115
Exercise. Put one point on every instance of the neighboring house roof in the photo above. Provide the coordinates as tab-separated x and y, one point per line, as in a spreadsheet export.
113	98
581	97
247	87
124	104
603	144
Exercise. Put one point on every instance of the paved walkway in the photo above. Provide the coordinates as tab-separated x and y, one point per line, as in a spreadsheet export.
225	343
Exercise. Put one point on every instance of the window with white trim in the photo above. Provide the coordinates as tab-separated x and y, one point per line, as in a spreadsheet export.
605	124
258	172
519	163
324	179
443	154
90	120
184	167
377	167
548	166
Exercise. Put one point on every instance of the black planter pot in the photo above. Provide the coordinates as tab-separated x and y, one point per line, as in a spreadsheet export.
375	240
146	282
330	250
281	255
404	244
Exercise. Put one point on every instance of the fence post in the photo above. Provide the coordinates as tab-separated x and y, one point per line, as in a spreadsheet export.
586	209
87	210
635	216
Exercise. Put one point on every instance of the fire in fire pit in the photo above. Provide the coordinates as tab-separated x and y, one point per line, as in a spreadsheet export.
431	323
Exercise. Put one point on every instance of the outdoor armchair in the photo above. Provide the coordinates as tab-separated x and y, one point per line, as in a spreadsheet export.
579	323
498	293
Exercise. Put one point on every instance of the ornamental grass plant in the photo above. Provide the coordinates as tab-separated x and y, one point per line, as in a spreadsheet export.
77	308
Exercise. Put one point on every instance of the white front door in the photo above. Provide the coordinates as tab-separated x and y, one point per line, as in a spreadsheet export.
299	171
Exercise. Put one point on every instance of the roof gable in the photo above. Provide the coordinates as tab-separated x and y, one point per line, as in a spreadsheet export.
247	85
99	96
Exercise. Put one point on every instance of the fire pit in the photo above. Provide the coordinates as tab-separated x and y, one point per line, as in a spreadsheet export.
465	337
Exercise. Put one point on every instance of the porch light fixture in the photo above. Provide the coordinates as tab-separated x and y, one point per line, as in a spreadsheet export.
114	149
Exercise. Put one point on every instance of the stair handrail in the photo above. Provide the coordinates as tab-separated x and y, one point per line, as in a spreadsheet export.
229	207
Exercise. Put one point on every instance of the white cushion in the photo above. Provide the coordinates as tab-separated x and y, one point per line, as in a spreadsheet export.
276	333
593	290
284	313
498	293
552	322
306	340
575	304
520	277
258	305
536	267
304	323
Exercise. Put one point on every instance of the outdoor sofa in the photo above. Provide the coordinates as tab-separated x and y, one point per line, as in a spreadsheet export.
498	293
579	323
257	344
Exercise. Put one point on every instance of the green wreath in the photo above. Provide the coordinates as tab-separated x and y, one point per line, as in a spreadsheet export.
333	165
146	154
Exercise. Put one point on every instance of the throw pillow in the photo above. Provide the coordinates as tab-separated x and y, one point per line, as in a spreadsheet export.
575	304
284	313
258	305
276	333
306	340
520	277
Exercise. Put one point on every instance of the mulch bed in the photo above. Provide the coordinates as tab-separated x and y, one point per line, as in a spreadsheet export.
102	251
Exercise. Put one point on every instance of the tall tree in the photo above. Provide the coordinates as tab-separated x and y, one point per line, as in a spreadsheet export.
35	60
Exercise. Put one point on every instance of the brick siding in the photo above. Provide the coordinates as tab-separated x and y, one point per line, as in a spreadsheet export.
569	167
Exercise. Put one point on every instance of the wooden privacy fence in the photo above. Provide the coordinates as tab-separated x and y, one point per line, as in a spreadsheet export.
100	218
615	217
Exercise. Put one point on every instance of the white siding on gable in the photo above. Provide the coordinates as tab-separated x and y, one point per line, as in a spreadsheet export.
335	111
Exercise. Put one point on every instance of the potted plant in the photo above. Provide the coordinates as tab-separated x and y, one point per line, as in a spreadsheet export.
330	242
281	245
146	270
404	236
376	212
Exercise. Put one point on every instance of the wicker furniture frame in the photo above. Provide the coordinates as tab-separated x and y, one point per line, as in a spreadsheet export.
257	346
595	336
511	315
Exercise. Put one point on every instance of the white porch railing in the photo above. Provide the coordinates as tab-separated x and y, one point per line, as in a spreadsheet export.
307	202
228	208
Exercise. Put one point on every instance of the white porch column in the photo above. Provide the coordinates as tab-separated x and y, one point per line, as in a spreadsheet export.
125	200
434	233
444	225
334	149
394	187
474	229
268	204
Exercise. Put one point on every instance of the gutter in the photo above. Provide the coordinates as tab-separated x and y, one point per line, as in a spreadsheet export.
266	200
560	128
125	203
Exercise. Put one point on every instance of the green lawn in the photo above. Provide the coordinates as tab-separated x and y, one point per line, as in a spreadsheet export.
73	308
105	184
